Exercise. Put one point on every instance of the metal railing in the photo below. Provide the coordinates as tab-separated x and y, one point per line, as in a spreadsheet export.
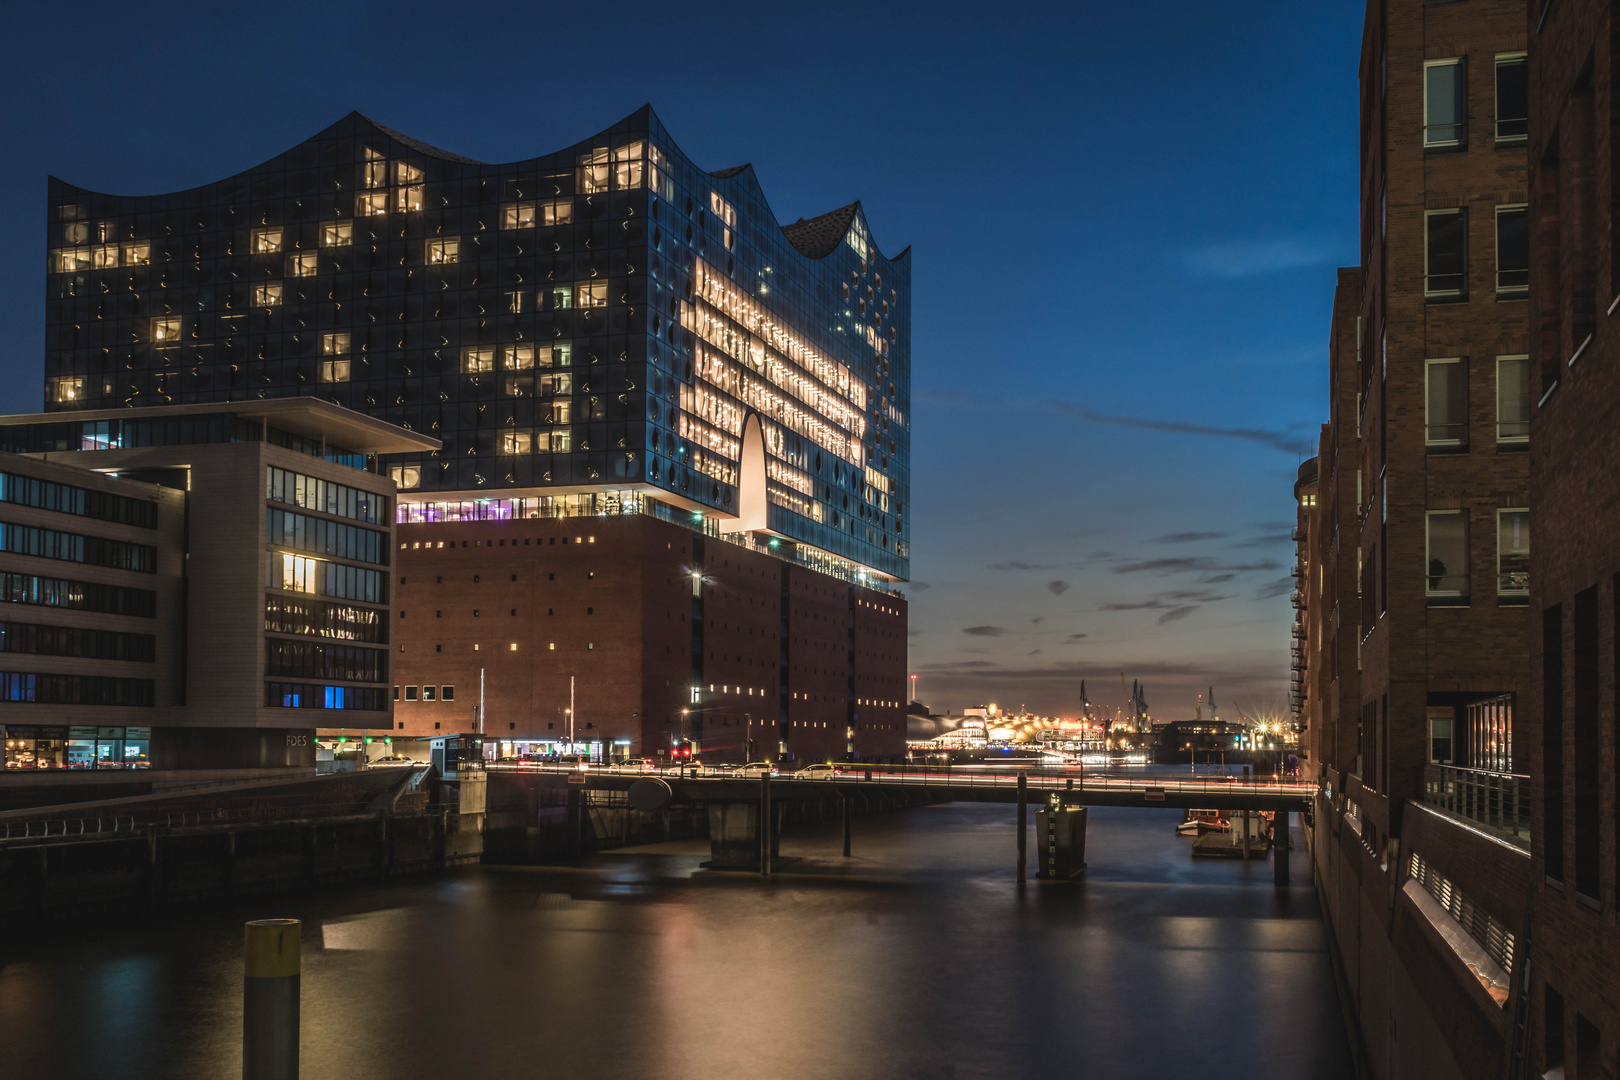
1498	801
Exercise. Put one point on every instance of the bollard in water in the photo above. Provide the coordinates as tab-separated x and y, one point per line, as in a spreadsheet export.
1023	822
270	1000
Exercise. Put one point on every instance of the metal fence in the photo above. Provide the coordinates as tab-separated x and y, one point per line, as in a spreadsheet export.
1499	801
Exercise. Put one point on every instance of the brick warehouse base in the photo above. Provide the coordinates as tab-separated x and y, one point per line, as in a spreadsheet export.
665	633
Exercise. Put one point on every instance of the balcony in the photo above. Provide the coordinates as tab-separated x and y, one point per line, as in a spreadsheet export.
1497	801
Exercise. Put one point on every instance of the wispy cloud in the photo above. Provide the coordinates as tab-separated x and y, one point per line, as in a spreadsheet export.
1075	637
1276	588
1286	440
1187	537
1176	613
1232	259
1058	588
1016	565
919	586
984	631
1199	564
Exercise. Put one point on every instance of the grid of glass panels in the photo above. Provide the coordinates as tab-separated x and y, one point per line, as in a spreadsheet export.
606	315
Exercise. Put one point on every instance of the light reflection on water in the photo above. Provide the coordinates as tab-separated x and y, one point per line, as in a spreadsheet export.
917	958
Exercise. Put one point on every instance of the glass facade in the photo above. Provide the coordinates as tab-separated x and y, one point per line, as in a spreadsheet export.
609	316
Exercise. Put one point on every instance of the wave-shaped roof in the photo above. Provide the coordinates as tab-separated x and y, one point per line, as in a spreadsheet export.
815	237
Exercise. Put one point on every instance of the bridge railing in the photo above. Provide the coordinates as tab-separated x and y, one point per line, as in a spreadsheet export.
1499	801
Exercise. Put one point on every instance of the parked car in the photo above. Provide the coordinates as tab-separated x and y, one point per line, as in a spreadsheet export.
390	760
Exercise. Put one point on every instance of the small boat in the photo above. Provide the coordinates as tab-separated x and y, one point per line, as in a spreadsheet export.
1200	822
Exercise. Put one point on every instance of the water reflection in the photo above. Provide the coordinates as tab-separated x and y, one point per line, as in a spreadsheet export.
916	958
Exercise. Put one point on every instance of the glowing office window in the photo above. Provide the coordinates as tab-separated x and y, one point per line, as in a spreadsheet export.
517	215
337	234
301	264
407	476
518	357
298	574
266	241
267	295
375	174
371	203
446	249
562	296
335	344
589	294
477	361
593	170
68	260
628	167
166	329
515	442
66	388
334	371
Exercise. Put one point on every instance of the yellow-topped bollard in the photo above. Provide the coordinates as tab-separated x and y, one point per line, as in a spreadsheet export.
270	999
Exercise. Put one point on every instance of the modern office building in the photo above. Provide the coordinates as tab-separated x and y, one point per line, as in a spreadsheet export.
1567	727
215	578
1414	552
606	332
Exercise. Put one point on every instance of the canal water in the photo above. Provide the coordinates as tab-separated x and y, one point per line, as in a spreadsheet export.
917	957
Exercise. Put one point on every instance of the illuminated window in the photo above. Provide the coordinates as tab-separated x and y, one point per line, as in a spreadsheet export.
443	250
628	168
335	344
562	412
301	264
371	203
137	254
267	295
518	357
334	371
104	256
337	234
407	476
562	296
428	692
559	354
515	442
517	215
556	213
409	179
556	442
266	241
299	574
166	329
589	294
376	169
726	215
66	388
593	171
67	260
476	361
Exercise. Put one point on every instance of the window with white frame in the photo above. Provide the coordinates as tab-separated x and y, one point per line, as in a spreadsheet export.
1512	399
1512	97
1445	403
1445	254
1445	103
1512	251
1513	552
1446	555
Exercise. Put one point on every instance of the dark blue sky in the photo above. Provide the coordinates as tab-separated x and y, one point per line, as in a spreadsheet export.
1124	221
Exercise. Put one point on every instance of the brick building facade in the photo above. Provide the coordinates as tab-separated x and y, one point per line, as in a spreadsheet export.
1568	725
783	660
1413	553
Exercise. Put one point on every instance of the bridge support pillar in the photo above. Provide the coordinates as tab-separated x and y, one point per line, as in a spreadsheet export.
1023	824
1279	850
735	838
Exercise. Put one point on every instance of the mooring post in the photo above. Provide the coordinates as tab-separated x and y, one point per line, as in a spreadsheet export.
843	806
270	1000
1279	850
1245	833
1023	821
